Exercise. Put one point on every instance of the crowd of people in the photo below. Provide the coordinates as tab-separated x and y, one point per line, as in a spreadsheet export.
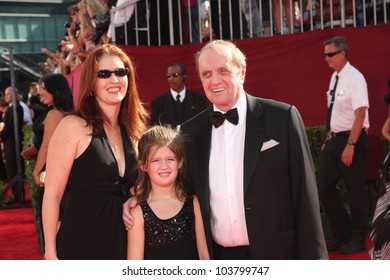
144	23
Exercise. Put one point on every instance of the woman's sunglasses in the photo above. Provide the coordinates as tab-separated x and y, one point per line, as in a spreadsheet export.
119	72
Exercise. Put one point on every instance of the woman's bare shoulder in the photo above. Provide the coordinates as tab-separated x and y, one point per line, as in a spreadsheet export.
73	122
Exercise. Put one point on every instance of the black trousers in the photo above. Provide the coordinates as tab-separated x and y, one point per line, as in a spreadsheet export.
330	170
231	253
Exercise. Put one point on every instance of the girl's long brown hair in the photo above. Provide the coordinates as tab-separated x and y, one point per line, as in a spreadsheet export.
160	136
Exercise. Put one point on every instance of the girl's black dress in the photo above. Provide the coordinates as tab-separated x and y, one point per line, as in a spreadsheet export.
170	239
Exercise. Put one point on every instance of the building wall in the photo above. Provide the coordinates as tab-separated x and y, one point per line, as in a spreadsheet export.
31	25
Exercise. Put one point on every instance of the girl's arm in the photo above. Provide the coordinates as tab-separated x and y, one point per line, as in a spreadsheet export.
61	153
199	230
51	121
136	236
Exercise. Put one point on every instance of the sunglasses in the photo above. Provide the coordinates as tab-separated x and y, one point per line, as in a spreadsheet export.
173	75
119	72
332	54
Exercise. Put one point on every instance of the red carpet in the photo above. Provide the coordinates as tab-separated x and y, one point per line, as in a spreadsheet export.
18	237
19	241
359	256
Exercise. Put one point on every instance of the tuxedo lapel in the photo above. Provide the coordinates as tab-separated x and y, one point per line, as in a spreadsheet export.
204	146
253	138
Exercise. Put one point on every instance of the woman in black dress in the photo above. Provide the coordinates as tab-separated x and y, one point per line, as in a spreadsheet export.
91	159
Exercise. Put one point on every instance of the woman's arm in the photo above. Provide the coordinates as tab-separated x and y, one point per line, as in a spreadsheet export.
52	120
199	230
61	153
386	129
136	236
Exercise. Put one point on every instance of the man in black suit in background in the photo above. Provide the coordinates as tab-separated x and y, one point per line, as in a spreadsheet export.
253	172
7	136
179	103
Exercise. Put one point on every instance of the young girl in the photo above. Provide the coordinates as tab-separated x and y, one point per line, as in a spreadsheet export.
169	223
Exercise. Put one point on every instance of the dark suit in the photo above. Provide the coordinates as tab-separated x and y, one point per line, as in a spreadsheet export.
163	110
7	135
280	195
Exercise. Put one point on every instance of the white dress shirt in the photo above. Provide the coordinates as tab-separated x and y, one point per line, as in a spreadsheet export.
351	94
182	94
226	178
27	118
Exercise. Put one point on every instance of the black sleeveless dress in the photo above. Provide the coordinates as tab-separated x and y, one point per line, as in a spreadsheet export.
170	239
91	221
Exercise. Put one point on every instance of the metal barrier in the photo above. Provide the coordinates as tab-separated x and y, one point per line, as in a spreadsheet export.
172	22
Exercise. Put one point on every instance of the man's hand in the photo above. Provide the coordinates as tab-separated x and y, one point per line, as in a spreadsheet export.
347	156
128	219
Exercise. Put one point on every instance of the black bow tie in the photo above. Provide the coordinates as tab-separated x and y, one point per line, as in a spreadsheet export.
217	118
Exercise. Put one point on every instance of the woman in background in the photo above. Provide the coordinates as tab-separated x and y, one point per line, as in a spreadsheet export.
380	229
55	93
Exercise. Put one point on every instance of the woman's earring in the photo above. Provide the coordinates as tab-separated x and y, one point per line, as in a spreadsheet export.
92	93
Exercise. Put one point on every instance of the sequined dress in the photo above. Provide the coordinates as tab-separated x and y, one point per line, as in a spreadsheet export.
91	223
170	239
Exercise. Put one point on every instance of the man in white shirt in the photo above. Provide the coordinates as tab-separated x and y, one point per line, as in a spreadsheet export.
344	153
27	118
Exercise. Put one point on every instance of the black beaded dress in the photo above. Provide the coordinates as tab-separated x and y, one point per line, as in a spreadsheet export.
170	239
91	223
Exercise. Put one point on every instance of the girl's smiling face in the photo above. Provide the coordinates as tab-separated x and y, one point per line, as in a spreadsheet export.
162	166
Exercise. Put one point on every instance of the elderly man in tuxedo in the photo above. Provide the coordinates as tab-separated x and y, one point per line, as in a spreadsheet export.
251	168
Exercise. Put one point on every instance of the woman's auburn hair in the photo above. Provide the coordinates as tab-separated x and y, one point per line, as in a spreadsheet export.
132	113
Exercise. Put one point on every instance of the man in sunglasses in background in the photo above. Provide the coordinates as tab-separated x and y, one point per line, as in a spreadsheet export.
344	153
179	103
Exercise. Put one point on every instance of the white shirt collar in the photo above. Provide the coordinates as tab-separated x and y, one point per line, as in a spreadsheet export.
182	94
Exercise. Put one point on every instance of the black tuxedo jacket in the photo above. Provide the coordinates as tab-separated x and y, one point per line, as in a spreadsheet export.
163	110
280	194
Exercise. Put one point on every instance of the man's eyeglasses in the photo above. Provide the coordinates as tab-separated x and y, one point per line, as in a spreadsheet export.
332	54
173	75
119	72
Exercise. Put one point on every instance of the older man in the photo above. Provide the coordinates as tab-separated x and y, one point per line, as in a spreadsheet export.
251	168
